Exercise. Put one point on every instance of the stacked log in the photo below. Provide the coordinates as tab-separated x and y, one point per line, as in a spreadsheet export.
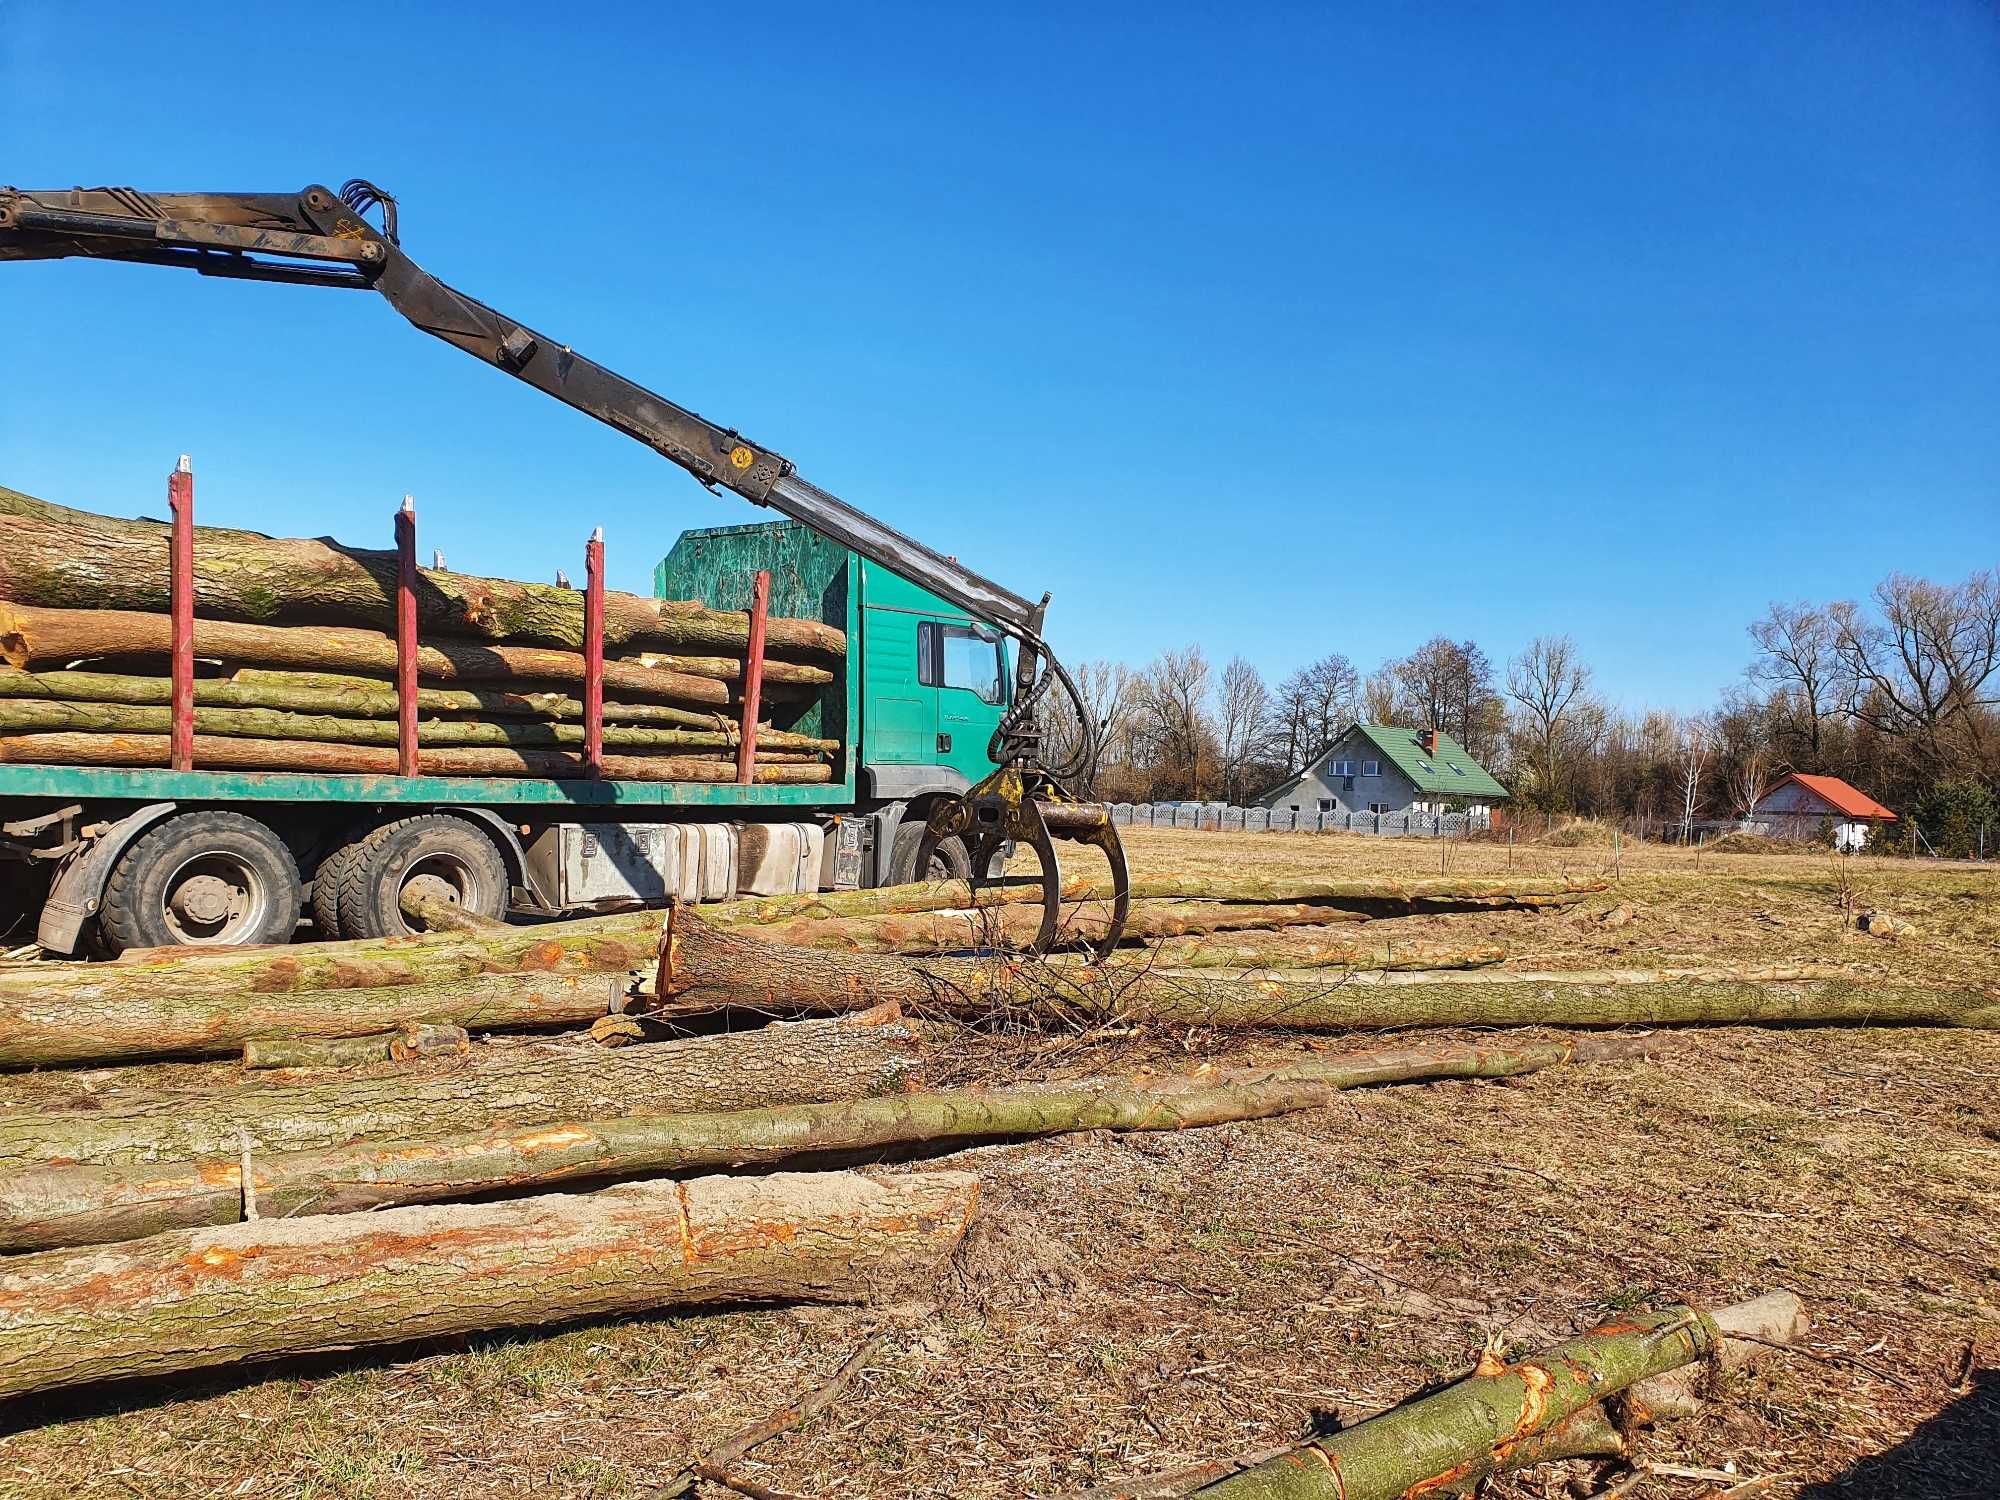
298	670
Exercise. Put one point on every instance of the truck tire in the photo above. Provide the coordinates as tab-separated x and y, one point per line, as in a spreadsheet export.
206	879
952	861
325	903
449	855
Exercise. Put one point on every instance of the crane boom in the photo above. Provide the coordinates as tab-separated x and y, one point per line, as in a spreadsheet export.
320	238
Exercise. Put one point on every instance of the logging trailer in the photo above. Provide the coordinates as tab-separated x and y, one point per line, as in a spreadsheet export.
940	768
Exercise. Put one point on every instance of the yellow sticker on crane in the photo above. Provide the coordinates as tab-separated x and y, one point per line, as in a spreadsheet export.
741	456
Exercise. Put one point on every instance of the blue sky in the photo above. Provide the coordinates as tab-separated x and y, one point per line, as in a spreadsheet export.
1283	329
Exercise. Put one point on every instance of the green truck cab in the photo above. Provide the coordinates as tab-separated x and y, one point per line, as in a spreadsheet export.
101	859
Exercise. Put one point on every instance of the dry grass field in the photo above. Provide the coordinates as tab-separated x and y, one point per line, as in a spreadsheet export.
1132	1303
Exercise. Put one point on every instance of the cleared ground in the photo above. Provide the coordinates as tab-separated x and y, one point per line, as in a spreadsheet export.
1139	1302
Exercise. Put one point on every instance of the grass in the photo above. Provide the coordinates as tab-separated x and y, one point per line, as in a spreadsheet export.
1132	1303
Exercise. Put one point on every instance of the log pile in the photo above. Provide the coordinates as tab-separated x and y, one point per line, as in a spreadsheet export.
296	659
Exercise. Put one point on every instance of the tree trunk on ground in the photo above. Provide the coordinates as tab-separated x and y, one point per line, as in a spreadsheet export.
854	1057
1458	1435
217	753
365	698
1208	953
70	1205
716	967
923	933
404	1044
57	1032
210	1297
241	577
1371	896
31	637
37	716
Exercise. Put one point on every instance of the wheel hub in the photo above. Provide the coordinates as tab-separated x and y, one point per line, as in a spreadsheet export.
433	887
204	900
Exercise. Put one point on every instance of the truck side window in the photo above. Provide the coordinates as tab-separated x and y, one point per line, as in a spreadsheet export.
960	656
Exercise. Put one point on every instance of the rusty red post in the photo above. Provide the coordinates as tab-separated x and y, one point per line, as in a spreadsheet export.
180	566
593	654
406	638
753	679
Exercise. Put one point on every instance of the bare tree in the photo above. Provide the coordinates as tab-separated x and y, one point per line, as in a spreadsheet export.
1171	725
1550	685
1801	666
1378	695
1243	726
1449	685
1106	690
1312	705
1696	744
1926	666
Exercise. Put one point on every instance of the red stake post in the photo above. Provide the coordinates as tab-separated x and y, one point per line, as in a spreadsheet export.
593	655
406	638
180	501
753	679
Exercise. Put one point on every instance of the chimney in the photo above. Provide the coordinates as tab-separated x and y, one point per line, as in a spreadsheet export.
1430	742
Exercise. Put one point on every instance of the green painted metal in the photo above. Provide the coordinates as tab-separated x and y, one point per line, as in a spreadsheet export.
276	786
906	721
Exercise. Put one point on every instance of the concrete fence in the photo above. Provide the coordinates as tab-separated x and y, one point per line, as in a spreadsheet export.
1221	817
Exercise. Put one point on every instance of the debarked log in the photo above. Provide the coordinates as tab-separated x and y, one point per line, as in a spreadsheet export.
1478	1426
55	564
853	1057
43	716
218	753
31	636
82	1205
922	933
717	967
195	1299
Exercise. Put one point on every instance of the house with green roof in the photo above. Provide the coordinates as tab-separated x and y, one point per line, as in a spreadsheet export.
1379	768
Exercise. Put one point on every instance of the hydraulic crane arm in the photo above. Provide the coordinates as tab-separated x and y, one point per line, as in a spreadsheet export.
320	238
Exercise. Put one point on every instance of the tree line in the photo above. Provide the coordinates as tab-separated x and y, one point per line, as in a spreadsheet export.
1898	695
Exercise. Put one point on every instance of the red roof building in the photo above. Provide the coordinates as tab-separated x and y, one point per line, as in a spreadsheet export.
1801	806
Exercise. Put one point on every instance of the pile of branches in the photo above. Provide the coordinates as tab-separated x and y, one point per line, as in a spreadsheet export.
296	662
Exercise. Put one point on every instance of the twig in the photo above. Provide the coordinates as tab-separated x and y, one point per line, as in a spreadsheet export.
1832	1357
1166	1484
715	1465
1626	1483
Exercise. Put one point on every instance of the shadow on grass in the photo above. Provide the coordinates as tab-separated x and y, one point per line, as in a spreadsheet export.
1953	1456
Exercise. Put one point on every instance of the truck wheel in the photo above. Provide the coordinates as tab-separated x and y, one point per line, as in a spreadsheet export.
326	889
211	879
952	861
436	852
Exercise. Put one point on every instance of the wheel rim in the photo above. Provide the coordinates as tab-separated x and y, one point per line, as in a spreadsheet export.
443	877
215	899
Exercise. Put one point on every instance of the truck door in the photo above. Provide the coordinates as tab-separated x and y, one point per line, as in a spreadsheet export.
967	666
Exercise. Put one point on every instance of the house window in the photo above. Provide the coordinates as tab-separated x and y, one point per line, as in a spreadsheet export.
1326	804
960	656
1458	770
1371	768
1343	768
1426	767
1295	807
1378	807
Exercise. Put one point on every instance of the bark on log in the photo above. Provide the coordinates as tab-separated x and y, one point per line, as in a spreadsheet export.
1269	958
728	668
56	564
366	698
434	913
210	1297
74	1205
32	637
718	967
46	1031
924	933
404	1044
1367	896
219	753
853	1057
1466	1431
42	716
